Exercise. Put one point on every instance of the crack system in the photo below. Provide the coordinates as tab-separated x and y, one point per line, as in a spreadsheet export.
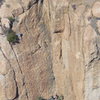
20	70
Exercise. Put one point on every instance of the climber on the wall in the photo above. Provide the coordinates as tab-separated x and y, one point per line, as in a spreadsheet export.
20	35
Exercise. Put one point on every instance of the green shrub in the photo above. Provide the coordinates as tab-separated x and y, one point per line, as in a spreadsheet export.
12	37
61	97
0	19
40	98
11	19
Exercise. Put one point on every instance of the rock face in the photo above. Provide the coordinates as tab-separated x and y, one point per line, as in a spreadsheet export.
96	9
59	52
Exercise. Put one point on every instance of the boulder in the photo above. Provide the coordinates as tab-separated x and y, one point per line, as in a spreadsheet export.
5	22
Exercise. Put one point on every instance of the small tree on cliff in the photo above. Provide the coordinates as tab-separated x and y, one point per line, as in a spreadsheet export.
12	37
61	97
11	19
40	98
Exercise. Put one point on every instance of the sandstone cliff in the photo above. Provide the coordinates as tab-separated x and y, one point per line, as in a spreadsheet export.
58	53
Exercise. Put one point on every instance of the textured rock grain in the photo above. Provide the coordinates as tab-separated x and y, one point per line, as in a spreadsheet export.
59	52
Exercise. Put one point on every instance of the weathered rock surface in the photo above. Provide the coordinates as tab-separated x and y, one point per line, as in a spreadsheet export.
96	9
59	52
10	85
5	22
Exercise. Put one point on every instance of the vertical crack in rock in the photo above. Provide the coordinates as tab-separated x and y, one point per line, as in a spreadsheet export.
17	94
69	21
84	64
20	71
60	56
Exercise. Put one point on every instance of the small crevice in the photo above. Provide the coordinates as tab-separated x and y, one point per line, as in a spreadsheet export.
58	31
96	58
60	56
17	92
92	60
33	52
69	21
98	52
